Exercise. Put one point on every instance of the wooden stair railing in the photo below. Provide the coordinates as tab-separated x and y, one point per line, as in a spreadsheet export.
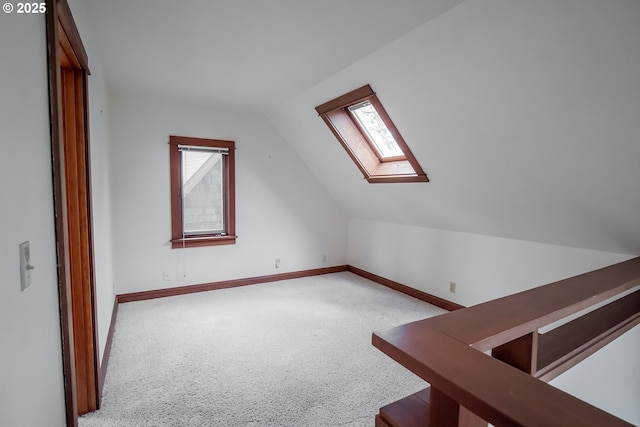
508	388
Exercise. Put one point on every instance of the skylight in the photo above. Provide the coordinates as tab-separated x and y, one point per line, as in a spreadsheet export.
371	122
362	126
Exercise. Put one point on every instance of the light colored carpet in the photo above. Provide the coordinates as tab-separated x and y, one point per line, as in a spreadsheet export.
289	353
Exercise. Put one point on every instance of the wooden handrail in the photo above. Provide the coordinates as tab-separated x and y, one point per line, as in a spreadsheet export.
448	351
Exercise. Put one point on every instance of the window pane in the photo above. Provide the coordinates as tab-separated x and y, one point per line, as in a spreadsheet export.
376	130
202	193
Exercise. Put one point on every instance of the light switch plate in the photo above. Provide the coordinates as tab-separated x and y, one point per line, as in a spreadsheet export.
25	266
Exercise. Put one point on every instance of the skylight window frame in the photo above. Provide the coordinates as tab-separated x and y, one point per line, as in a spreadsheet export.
354	139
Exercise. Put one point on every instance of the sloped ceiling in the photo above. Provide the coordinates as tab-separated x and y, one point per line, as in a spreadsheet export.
247	54
525	114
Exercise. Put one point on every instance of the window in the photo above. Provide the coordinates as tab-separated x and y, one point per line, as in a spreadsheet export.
202	192
366	132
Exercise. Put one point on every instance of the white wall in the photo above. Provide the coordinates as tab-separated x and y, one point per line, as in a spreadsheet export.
31	382
281	210
100	176
32	391
485	268
600	378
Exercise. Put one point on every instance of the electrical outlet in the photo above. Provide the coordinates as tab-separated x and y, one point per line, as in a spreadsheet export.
324	258
165	276
277	262
452	287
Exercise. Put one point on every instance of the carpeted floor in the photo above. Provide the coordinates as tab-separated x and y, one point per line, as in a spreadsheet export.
289	353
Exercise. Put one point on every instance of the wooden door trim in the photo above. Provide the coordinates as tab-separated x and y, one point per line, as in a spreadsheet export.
92	271
78	215
70	40
59	200
64	48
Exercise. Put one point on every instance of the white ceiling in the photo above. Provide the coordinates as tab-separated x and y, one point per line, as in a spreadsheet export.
248	54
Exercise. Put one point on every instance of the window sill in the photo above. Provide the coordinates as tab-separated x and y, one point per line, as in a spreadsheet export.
397	171
194	242
378	179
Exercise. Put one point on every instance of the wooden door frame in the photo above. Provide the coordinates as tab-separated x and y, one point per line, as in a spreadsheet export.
65	49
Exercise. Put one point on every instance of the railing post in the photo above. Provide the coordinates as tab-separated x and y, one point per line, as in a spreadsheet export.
521	353
446	412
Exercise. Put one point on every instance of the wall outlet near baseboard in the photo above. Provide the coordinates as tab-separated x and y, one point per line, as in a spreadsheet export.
324	258
165	276
277	262
452	287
